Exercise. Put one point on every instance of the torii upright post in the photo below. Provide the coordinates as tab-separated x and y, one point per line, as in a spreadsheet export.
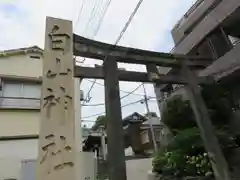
115	142
57	158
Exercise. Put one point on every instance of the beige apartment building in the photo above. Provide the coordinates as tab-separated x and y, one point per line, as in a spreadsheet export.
20	77
210	28
20	90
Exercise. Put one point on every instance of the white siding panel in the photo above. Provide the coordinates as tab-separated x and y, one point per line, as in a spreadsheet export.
20	149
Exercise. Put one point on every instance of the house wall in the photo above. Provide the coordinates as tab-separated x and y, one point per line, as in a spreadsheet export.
25	169
10	168
21	65
12	152
19	149
19	122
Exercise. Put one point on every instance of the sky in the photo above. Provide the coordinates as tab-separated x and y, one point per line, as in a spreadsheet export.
22	24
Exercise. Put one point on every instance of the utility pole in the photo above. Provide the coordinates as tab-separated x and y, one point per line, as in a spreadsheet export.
149	115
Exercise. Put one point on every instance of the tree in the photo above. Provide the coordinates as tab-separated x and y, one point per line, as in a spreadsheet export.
178	115
185	154
100	121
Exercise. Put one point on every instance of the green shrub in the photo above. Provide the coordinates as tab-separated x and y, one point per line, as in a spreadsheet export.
178	115
185	156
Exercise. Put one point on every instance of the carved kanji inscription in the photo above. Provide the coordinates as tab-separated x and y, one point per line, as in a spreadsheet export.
56	153
57	150
59	41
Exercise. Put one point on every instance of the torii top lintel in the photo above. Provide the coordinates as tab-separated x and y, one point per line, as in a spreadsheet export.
98	50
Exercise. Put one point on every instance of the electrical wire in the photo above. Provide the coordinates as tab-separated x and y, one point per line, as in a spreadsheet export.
79	14
98	114
102	17
102	104
84	120
96	8
98	15
119	90
129	21
103	14
118	39
93	12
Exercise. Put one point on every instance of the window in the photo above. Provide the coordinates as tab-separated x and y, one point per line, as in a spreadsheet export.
12	90
21	90
31	91
35	57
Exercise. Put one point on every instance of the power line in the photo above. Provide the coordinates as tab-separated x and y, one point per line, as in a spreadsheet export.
79	14
102	104
92	14
119	90
103	13
121	35
104	112
129	21
98	114
131	92
102	17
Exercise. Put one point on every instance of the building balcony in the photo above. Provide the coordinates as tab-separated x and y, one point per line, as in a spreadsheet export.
19	103
192	17
226	67
220	12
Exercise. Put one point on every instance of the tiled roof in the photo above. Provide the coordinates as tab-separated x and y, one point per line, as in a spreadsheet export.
131	118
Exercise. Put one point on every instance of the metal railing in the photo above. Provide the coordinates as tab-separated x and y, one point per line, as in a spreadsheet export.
19	103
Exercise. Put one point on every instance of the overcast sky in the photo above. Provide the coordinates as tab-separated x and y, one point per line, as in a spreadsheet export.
22	24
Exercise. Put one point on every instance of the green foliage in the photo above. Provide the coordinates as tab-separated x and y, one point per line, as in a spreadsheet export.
101	121
219	103
185	156
178	114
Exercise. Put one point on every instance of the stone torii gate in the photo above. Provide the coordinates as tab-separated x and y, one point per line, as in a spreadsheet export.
58	150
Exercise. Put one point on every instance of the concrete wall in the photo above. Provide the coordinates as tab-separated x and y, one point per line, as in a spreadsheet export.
10	168
12	153
209	23
25	169
138	169
185	24
19	149
21	65
19	122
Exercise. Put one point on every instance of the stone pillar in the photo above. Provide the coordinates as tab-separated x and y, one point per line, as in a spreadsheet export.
215	154
115	142
57	142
